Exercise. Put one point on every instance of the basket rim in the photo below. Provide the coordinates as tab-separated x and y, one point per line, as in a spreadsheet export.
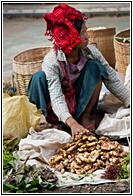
124	30
118	42
27	63
27	51
105	28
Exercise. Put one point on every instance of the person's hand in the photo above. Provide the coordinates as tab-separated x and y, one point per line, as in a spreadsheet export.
77	128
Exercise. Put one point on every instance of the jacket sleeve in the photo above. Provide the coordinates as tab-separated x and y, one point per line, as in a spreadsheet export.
112	83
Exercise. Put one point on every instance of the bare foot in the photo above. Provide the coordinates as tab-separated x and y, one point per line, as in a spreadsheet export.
91	126
43	120
43	124
87	123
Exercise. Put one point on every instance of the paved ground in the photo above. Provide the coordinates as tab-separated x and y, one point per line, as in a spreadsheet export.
38	9
23	33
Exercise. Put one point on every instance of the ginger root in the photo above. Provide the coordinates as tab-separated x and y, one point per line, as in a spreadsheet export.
87	154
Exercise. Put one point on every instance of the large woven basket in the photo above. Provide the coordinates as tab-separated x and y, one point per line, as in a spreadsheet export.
25	65
122	50
102	38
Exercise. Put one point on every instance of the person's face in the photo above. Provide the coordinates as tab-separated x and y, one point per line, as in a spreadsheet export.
84	36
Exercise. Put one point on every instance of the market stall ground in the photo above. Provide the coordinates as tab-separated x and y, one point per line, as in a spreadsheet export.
13	46
118	187
111	187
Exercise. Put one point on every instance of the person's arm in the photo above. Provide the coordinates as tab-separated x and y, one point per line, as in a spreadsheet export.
112	83
54	74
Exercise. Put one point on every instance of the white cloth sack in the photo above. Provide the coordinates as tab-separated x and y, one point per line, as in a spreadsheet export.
116	120
127	77
40	146
115	124
108	102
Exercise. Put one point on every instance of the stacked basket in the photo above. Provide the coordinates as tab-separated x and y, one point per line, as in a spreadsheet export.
122	50
25	65
102	38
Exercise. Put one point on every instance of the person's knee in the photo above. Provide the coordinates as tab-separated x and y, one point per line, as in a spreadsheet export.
39	76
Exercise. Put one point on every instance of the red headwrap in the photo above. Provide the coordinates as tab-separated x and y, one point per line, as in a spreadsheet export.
60	26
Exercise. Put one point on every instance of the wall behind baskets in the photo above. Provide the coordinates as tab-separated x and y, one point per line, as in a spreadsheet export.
25	64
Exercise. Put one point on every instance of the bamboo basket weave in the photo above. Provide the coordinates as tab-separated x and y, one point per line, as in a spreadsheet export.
102	38
25	65
122	50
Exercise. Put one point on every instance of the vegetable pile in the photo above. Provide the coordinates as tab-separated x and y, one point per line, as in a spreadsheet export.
82	156
123	40
86	153
29	179
22	178
118	171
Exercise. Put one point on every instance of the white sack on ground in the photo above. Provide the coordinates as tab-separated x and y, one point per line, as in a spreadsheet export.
127	77
108	102
116	120
111	125
42	145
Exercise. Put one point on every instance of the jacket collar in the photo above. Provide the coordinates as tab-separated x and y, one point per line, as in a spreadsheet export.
61	55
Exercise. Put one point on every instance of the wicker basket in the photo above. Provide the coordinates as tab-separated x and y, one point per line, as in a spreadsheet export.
122	50
102	38
25	65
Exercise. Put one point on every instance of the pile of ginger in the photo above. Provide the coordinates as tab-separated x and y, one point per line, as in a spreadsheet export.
86	153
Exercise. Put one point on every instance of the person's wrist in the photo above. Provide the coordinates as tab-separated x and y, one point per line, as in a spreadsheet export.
70	121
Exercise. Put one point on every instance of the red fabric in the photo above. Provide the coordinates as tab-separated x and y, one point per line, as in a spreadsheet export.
60	26
69	92
51	116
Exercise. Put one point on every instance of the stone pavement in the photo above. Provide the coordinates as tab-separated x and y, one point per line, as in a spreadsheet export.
23	33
